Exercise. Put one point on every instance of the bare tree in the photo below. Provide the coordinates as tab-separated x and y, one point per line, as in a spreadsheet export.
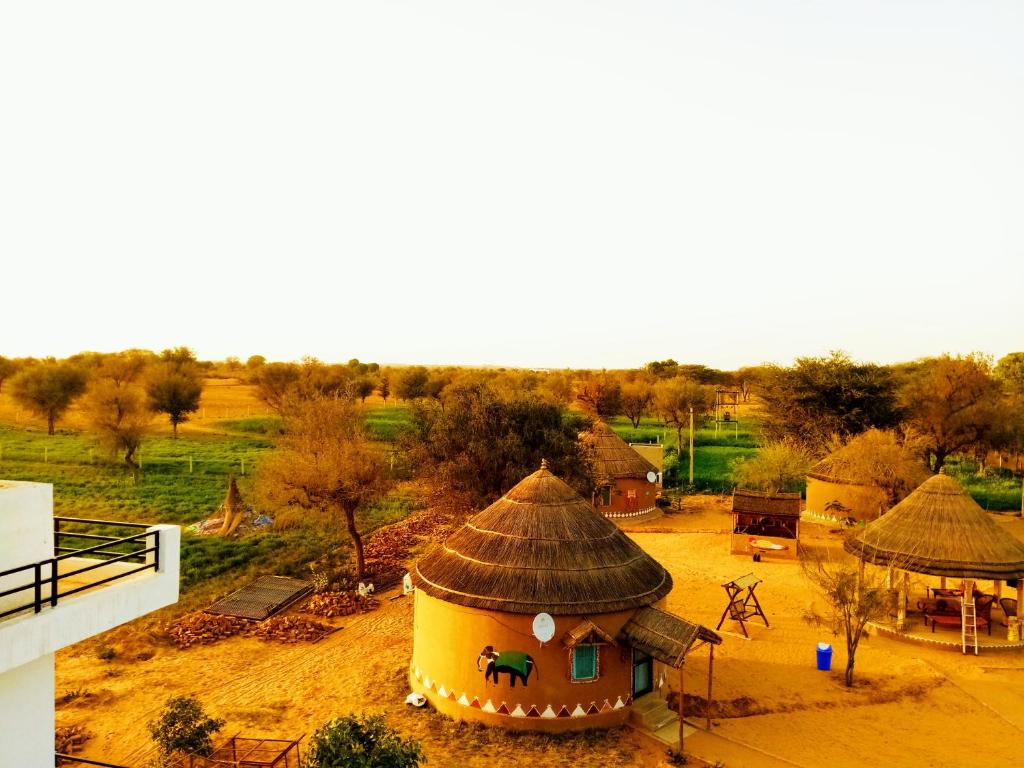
325	464
635	401
115	404
673	400
853	602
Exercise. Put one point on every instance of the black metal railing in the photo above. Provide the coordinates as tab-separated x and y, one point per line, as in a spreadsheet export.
61	759
110	549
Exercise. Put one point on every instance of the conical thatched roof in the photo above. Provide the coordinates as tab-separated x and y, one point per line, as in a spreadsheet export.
940	530
613	458
542	547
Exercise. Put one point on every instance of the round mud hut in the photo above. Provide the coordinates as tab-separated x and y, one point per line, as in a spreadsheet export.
939	530
627	484
539	614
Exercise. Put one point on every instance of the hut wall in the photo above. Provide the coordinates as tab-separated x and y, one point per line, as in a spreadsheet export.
448	640
621	505
841	500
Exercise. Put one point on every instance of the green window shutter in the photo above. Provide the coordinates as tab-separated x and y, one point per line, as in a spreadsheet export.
584	662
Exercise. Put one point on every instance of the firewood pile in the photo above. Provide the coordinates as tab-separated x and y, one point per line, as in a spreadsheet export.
291	629
389	548
201	628
68	739
332	604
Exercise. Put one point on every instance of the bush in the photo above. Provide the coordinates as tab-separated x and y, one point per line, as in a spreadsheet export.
361	741
184	727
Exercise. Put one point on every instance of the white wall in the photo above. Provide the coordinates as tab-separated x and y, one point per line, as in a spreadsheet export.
26	715
26	533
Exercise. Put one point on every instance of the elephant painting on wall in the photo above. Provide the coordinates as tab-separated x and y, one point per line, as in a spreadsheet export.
514	663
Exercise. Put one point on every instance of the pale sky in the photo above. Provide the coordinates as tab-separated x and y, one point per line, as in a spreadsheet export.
553	184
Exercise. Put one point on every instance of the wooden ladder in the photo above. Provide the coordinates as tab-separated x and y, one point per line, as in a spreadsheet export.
968	623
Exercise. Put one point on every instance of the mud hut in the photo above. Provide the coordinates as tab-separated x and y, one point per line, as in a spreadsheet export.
540	614
939	530
626	483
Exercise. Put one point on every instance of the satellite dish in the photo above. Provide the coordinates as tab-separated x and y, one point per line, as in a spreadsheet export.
407	586
652	477
543	627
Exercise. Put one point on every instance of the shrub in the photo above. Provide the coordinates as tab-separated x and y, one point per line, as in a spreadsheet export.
184	727
361	741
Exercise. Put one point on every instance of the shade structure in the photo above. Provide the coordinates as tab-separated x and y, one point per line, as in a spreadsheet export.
664	636
940	530
612	457
542	547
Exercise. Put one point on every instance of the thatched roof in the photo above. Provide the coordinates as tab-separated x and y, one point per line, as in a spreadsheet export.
869	457
663	635
758	503
613	458
542	547
587	631
940	530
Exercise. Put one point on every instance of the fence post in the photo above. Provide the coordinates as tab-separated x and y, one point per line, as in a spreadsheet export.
53	582
190	463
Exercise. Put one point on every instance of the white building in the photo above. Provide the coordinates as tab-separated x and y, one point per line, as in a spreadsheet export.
56	593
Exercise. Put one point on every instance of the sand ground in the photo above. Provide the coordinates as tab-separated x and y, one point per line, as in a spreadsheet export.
913	705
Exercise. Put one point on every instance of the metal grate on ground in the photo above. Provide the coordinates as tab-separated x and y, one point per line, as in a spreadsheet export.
262	598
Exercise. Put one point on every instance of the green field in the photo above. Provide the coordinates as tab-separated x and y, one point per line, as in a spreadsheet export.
713	453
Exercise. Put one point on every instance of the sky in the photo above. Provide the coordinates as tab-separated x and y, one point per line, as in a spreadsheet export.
543	184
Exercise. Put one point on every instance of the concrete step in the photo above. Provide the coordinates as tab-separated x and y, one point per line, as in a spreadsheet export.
652	713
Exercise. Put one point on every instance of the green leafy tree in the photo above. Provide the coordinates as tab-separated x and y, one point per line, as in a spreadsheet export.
175	392
362	388
255	361
274	384
954	403
361	741
412	383
780	465
184	727
1009	370
7	369
635	401
48	389
673	399
822	397
481	444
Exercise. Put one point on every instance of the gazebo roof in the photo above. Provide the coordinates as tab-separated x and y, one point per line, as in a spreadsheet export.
542	547
613	457
940	530
760	503
664	636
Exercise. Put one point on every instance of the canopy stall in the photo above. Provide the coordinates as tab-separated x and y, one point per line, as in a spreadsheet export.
765	523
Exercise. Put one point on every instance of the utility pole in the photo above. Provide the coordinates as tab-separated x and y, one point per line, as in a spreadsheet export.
691	445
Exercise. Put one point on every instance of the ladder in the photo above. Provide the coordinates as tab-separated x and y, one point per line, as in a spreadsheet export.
968	623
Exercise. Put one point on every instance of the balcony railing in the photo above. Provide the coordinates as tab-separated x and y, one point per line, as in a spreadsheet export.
48	584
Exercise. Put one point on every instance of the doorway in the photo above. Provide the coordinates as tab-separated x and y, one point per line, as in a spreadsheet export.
643	673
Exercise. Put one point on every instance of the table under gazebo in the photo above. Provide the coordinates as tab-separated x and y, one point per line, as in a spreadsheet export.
940	531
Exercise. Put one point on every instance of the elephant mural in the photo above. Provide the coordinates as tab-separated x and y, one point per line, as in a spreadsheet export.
515	663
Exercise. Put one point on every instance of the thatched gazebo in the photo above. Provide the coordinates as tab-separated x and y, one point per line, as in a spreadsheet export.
939	530
626	483
562	604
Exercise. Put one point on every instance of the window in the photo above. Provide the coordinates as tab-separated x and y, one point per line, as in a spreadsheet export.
584	663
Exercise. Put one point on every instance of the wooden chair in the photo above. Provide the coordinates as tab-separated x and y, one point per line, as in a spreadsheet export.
1009	606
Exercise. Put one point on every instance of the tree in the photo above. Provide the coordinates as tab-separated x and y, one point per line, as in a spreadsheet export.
274	382
954	402
674	399
325	464
255	361
600	394
820	397
384	388
179	357
115	404
48	389
184	727
175	392
7	369
663	369
360	741
482	445
412	383
780	465
635	401
362	388
853	602
1009	370
886	459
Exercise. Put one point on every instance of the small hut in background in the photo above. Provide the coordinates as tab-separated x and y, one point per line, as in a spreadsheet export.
862	479
765	523
540	614
627	483
940	531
